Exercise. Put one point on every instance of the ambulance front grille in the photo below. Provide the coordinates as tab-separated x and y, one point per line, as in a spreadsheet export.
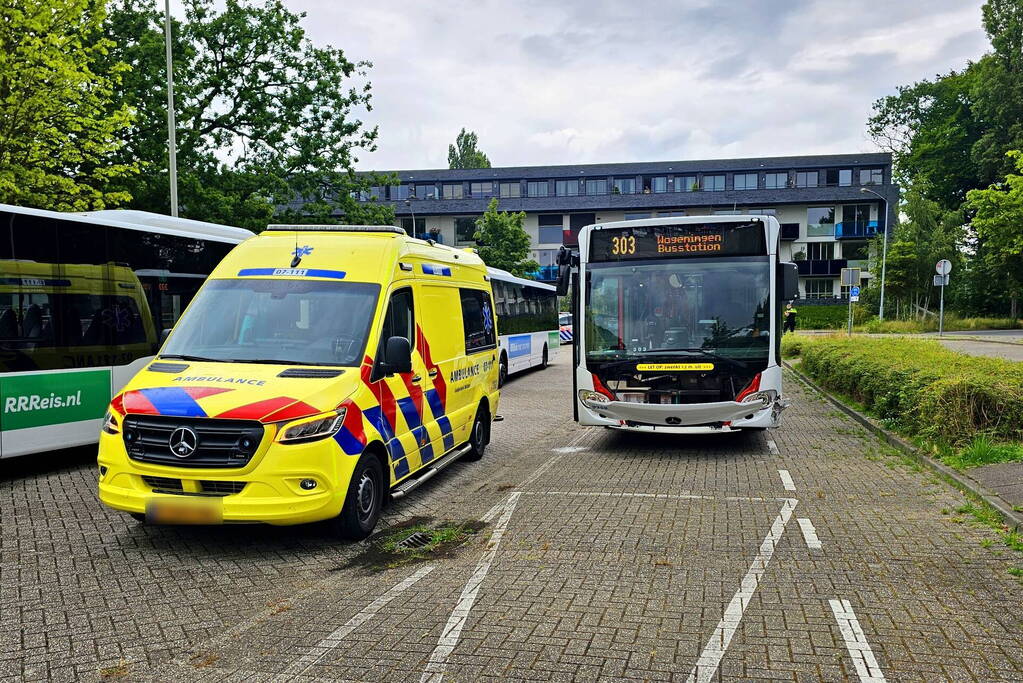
219	443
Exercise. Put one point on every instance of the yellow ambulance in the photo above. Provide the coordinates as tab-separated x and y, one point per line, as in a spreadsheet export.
319	371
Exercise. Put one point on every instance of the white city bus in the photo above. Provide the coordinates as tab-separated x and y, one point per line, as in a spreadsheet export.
527	320
678	323
84	299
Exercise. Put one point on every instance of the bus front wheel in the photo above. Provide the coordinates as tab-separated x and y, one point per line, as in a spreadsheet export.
502	372
543	358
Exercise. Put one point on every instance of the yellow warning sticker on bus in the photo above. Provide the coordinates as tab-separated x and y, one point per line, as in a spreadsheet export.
673	367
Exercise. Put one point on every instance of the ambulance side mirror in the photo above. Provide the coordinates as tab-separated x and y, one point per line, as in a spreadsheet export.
789	281
397	356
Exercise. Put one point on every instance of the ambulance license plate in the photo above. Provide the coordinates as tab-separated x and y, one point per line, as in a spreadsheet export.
187	510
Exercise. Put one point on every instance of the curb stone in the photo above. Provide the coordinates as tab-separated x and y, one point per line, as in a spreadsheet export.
963	482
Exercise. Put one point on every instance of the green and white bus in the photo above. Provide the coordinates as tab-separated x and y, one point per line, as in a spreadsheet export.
527	322
84	300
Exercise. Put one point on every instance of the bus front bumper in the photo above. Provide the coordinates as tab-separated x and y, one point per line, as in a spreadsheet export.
704	417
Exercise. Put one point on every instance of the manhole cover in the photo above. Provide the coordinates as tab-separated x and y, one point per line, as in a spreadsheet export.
420	539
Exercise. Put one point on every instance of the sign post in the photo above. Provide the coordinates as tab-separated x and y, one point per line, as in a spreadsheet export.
943	267
851	279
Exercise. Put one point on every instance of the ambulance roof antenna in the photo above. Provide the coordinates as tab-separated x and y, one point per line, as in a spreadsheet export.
298	255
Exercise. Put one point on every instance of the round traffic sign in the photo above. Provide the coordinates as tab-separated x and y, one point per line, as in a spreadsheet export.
855	291
944	267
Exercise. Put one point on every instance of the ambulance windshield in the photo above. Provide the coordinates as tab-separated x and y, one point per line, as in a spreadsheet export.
275	320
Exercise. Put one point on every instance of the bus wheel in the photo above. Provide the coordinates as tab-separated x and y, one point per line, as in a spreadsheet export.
478	436
138	517
363	502
502	372
543	358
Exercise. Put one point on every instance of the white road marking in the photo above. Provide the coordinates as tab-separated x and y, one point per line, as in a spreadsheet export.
863	658
491	513
338	636
562	451
710	658
809	534
786	479
569	449
437	665
772	446
670	496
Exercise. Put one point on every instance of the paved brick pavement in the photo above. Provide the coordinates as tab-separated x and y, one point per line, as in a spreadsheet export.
607	556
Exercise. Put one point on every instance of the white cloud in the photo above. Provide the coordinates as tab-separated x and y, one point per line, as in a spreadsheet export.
585	81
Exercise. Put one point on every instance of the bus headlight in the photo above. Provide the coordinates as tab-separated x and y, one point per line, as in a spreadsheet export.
110	425
593	399
312	430
765	398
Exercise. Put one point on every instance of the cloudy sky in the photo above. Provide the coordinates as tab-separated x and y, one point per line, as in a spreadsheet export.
579	81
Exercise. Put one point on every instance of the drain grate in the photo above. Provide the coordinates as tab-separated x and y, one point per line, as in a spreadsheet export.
420	539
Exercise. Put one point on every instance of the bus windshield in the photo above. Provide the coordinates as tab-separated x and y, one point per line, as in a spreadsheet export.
673	307
294	322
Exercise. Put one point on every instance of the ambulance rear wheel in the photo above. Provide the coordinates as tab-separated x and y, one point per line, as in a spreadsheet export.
479	436
362	504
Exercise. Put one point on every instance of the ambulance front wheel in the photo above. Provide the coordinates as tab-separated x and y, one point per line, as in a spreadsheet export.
479	436
361	510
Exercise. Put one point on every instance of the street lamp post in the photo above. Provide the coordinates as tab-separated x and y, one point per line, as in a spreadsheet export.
408	203
884	248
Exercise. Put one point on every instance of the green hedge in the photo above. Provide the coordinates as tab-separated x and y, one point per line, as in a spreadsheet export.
919	386
828	317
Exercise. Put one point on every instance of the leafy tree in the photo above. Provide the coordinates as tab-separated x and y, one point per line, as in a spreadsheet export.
464	154
59	132
503	241
998	217
998	90
264	117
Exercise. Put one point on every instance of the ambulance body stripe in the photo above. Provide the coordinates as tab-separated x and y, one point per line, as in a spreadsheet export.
348	442
203	392
400	469
439	386
296	410
117	404
136	402
445	427
412	417
425	449
353	421
173	401
257	410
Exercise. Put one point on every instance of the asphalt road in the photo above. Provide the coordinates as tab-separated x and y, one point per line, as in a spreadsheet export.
806	553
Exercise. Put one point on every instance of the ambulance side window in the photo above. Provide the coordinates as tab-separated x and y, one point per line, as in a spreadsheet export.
477	320
400	320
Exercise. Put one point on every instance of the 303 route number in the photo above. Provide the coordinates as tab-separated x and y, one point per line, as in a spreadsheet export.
623	245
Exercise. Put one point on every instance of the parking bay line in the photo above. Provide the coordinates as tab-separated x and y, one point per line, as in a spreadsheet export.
318	651
809	534
437	665
867	668
786	480
772	446
710	658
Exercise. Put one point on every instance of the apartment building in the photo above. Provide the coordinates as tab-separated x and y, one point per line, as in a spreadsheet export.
828	206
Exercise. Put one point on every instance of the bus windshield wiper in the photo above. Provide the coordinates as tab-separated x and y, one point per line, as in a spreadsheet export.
702	352
196	359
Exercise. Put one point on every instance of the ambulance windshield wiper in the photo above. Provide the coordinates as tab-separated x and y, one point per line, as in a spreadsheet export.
196	359
276	361
708	354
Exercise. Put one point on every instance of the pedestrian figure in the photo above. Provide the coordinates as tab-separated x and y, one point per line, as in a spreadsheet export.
790	319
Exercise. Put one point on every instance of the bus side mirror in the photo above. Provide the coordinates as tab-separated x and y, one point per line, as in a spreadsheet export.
789	281
564	280
397	356
164	334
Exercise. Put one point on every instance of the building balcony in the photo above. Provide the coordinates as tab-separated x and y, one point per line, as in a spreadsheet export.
821	268
790	231
855	229
820	230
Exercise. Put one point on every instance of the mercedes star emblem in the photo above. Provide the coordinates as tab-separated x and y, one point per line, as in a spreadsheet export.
183	442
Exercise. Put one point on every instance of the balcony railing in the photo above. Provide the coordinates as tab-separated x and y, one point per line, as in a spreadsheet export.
821	268
820	230
853	229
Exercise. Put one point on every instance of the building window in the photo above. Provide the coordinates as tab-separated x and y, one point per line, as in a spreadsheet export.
511	189
659	184
637	216
685	183
776	181
419	228
566	188
820	251
745	181
426	192
713	183
400	191
806	179
820	222
670	214
465	230
838	177
761	212
453	191
596	187
818	288
728	212
625	186
481	189
550	228
871	176
537	188
856	251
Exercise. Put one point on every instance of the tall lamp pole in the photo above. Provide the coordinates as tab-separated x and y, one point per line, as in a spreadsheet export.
884	248
171	125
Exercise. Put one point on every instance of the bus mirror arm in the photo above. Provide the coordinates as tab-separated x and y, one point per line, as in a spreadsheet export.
397	356
790	281
163	336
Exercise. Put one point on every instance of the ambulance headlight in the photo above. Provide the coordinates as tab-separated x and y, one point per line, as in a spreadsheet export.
593	399
110	425
312	430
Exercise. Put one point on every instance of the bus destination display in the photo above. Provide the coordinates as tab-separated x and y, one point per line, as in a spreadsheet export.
678	241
